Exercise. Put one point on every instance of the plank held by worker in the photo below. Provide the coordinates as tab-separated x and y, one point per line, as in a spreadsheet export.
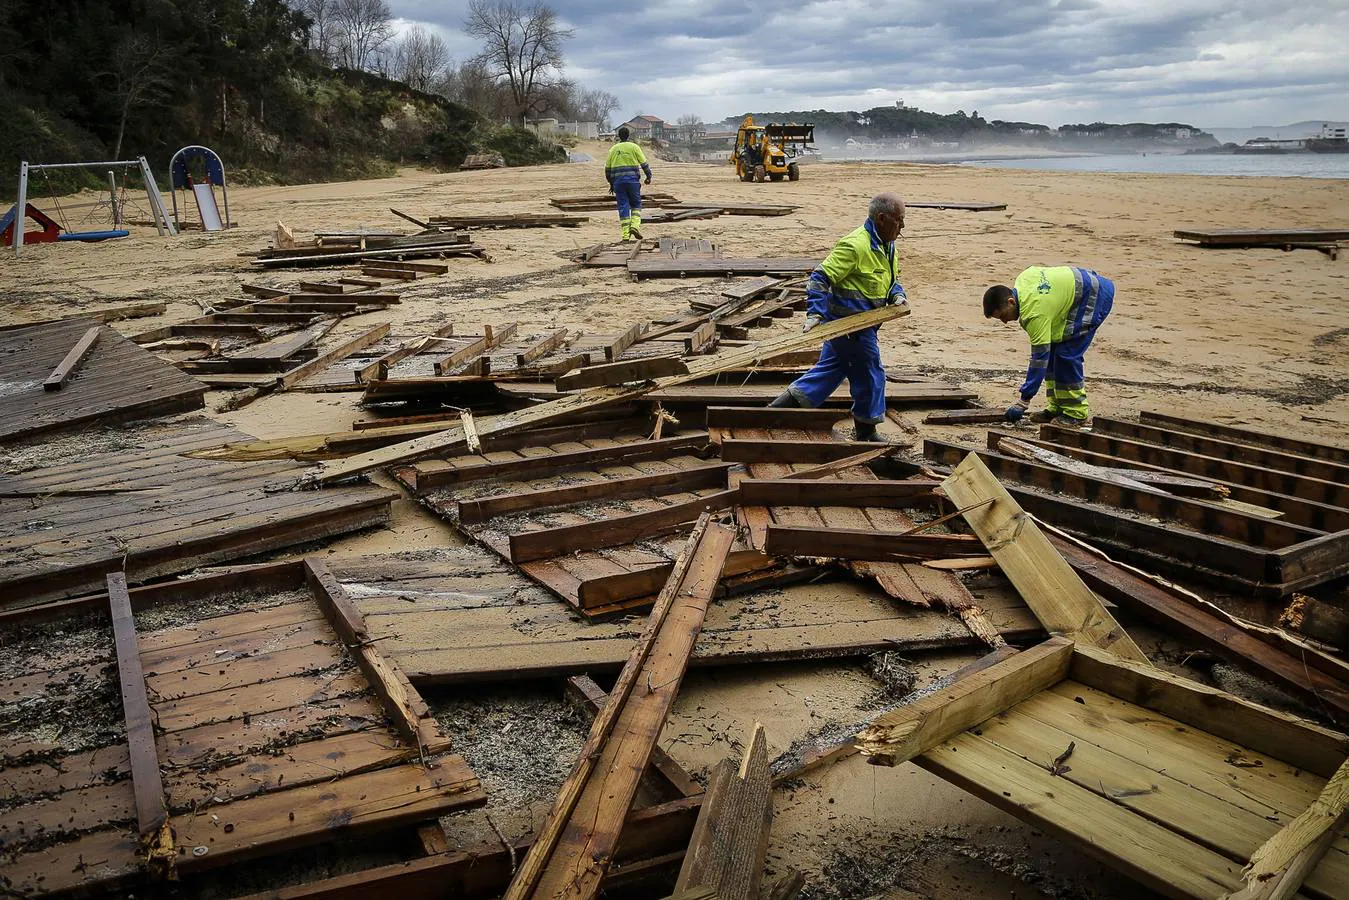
453	438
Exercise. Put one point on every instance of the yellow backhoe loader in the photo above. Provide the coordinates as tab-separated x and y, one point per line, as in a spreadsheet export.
770	152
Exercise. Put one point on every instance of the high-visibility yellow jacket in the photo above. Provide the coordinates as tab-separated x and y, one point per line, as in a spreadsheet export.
860	273
626	163
1058	305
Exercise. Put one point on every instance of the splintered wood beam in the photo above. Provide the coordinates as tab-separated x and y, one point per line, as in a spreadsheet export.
292	377
774	417
703	367
151	811
1059	599
578	840
621	372
804	492
621	529
1280	865
693	478
770	451
61	374
1286	666
617	347
913	729
447	364
729	845
862	544
673	778
402	703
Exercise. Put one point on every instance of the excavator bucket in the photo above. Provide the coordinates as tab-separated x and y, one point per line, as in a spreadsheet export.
790	134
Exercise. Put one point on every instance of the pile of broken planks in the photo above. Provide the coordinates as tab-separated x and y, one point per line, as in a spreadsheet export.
1327	240
339	248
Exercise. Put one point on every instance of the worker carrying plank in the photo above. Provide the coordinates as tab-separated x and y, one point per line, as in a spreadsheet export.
861	273
624	168
1060	308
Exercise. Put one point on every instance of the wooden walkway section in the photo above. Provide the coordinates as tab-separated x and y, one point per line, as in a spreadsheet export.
268	736
116	381
152	512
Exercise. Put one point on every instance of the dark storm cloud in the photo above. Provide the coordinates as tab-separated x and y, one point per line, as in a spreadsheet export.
1218	61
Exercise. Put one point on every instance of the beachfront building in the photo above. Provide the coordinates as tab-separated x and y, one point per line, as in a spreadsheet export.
650	128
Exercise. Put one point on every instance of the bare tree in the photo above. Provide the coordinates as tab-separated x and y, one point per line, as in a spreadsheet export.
691	128
474	85
322	27
363	28
140	76
598	107
522	47
420	58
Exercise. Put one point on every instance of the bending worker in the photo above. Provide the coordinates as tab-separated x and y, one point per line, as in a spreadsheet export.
861	273
625	182
1060	308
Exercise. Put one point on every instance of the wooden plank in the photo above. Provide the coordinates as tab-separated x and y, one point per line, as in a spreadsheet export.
772	451
856	543
1279	735
151	811
1286	667
360	341
704	476
275	351
902	734
427	477
1306	466
61	374
379	369
1273	237
541	347
699	267
619	345
447	364
578	840
1049	586
662	767
623	372
1313	830
774	417
729	845
955	204
404	705
1246	436
836	492
1204	517
613	531
965	417
453	438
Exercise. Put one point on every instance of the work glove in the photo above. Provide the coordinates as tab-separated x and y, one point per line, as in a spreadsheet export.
1016	411
897	298
811	322
647	179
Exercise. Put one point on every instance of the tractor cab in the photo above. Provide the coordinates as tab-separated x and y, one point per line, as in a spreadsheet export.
770	152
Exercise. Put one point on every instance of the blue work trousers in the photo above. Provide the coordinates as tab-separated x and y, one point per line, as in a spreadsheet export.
856	357
1066	382
629	194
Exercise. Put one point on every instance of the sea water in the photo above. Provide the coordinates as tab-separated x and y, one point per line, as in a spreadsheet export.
1284	165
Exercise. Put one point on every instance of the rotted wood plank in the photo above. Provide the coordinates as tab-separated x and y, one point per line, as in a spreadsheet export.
804	491
774	417
771	451
704	476
855	543
621	372
1241	435
613	531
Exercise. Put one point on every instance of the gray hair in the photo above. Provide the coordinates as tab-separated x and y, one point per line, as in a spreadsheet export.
885	204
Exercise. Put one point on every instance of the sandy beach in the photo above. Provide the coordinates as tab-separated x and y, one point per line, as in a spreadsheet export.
1251	337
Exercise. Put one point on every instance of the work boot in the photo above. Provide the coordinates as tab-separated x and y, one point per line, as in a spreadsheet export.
1067	422
785	400
866	432
1043	416
636	227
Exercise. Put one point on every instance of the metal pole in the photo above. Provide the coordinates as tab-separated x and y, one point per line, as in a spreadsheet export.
20	208
85	165
116	211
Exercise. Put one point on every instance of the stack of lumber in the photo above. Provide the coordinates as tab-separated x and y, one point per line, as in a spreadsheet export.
341	249
1327	240
507	220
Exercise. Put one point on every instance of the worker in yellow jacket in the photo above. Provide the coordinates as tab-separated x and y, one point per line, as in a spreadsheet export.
1060	308
861	273
624	168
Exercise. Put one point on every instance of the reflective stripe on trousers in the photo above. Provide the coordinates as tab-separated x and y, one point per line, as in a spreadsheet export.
1066	386
855	357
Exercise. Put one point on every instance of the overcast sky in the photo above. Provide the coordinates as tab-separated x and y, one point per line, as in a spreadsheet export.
1212	63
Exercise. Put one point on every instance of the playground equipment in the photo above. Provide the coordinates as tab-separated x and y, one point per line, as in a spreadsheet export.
211	173
15	230
51	229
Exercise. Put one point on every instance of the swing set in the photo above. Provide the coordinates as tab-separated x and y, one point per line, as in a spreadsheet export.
115	207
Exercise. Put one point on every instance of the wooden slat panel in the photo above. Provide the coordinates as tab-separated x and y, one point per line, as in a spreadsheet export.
149	787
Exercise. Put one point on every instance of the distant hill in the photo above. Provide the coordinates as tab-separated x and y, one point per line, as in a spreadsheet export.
1285	132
